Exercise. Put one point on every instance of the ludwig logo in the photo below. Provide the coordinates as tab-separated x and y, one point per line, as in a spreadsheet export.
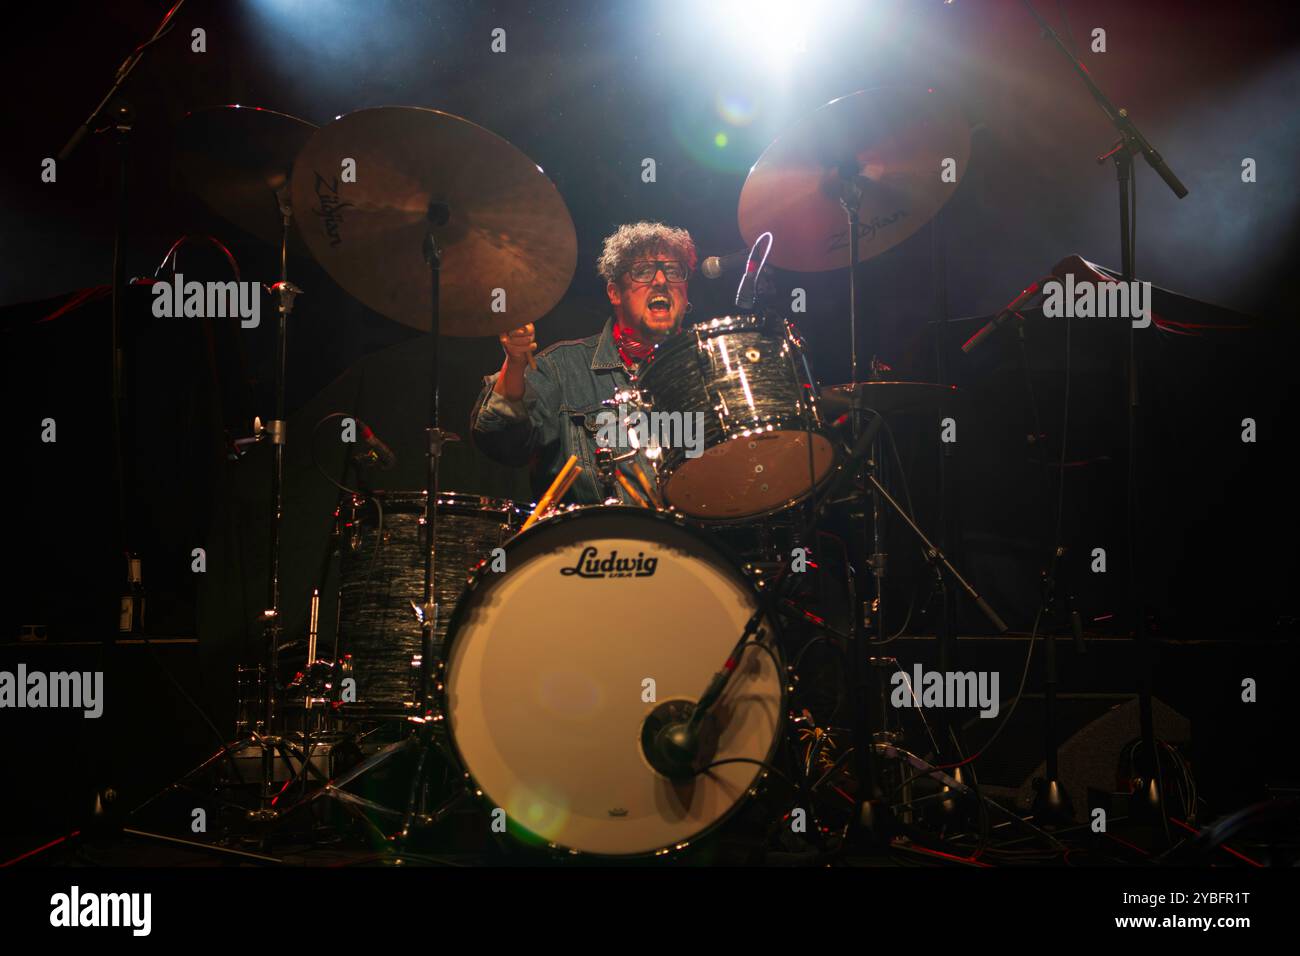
591	565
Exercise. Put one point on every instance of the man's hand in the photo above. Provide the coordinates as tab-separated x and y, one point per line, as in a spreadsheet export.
520	346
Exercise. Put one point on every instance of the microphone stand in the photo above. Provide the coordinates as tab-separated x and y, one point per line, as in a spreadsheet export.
1150	803
121	125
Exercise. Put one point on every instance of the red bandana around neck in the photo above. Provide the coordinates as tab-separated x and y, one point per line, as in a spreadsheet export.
630	349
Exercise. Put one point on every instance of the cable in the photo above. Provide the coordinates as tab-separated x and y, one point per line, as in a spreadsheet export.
762	763
316	461
174	251
1033	638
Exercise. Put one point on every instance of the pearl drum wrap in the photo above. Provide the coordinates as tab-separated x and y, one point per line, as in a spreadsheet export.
382	581
749	380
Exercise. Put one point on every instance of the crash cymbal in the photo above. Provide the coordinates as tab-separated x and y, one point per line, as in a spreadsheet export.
891	142
234	158
508	227
885	397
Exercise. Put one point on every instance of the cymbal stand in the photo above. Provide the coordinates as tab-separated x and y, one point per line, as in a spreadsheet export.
426	735
870	793
438	214
275	432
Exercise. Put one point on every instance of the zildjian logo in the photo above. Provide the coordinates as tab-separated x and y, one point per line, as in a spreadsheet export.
331	207
866	230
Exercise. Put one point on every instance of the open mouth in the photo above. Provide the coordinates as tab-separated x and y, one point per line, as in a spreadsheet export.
659	303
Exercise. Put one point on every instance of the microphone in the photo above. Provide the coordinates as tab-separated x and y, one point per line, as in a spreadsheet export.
998	320
379	452
715	267
677	741
677	746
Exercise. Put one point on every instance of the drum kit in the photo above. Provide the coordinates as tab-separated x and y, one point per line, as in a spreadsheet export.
613	680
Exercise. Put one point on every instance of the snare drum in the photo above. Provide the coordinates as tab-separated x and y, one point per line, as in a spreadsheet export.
608	623
748	379
381	581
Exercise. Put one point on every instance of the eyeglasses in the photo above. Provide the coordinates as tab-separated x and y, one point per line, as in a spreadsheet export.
646	270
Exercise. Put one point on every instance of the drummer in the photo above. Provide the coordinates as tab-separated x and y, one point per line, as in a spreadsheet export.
540	416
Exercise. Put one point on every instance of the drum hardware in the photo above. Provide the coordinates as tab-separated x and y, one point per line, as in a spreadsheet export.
605	468
455	173
238	161
856	167
249	146
870	793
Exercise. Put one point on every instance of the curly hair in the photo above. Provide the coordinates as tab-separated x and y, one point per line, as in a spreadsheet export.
631	241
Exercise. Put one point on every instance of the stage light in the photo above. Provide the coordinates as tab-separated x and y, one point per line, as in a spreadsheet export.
774	31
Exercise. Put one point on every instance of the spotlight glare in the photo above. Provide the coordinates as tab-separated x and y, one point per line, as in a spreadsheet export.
775	31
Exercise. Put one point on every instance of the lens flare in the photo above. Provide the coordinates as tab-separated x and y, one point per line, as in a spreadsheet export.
736	107
538	812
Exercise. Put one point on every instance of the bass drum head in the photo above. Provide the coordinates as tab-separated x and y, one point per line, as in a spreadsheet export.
557	666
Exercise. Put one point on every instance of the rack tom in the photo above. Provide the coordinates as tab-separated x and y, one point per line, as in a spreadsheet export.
765	447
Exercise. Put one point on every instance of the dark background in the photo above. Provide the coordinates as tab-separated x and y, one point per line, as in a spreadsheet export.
588	90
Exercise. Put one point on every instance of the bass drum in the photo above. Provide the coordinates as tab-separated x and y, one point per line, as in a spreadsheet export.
607	623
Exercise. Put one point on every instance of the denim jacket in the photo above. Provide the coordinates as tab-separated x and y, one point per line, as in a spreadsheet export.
558	415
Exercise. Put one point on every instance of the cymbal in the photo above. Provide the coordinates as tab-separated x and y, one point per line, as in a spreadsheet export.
508	228
885	397
890	142
234	158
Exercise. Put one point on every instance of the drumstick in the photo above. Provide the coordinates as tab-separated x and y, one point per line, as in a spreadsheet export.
630	489
563	490
650	491
547	498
